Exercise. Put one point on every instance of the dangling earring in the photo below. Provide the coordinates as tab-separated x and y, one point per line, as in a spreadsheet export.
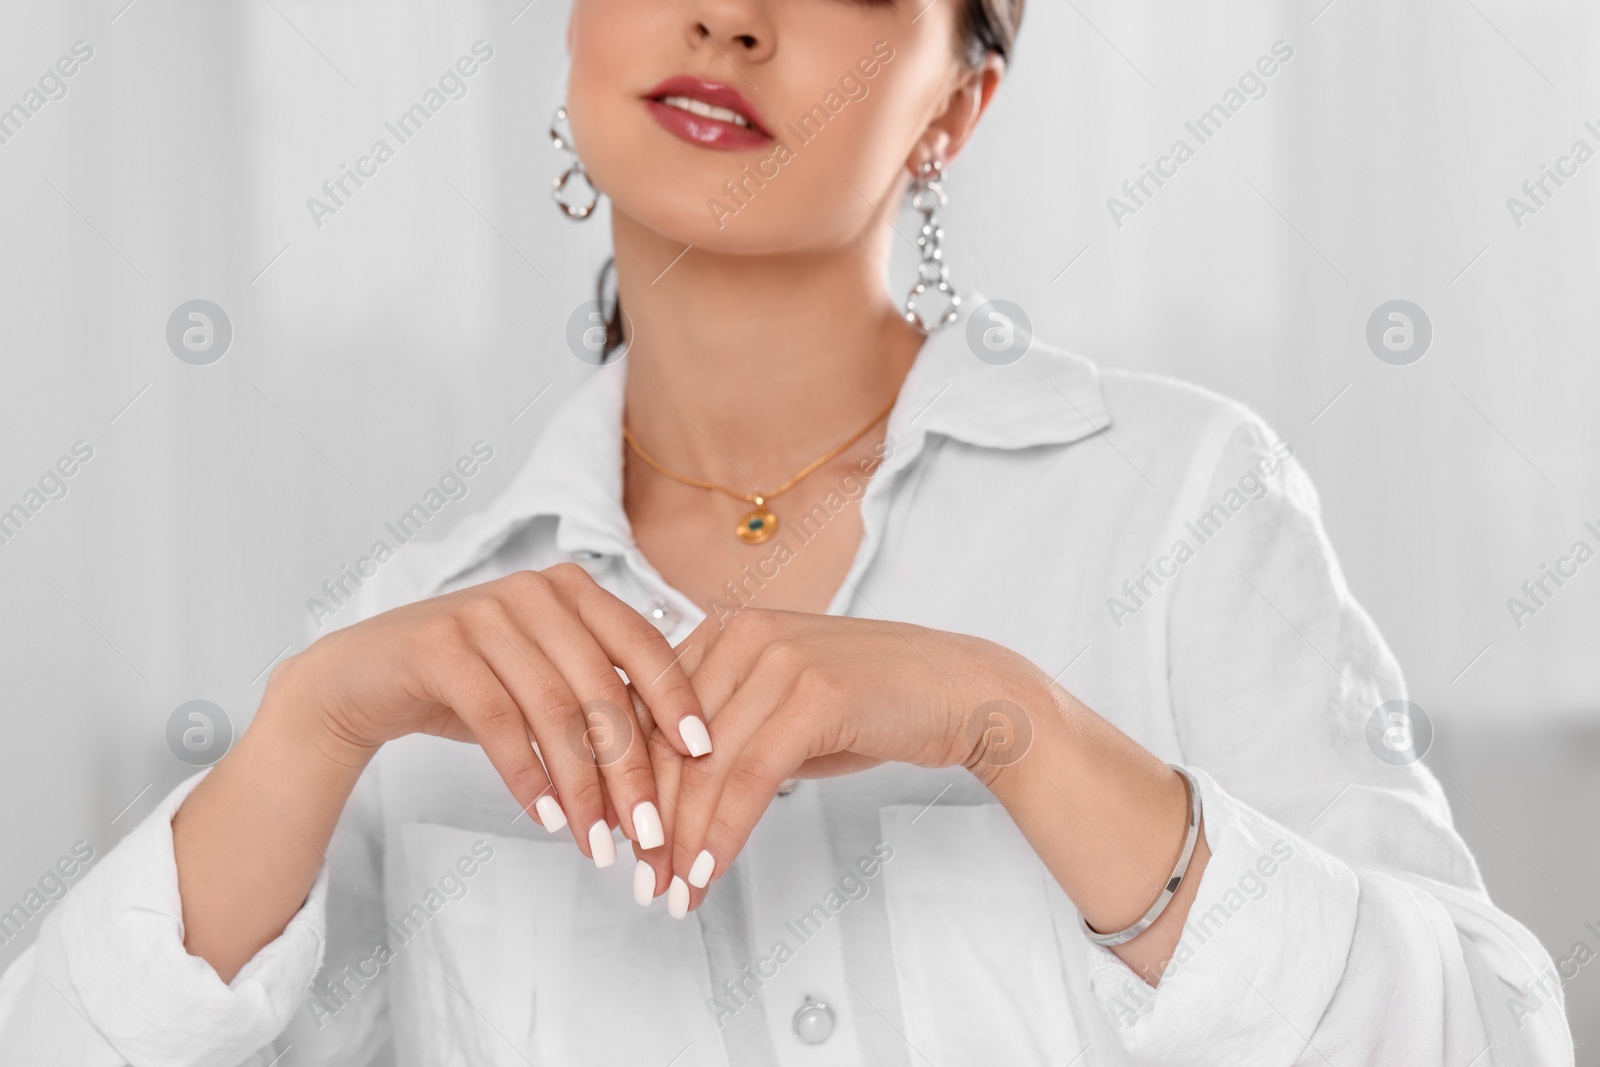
563	143
927	198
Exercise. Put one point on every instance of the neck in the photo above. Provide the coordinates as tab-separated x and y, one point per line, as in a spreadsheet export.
744	368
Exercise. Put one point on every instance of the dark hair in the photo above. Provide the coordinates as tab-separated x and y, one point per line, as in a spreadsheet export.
990	26
986	27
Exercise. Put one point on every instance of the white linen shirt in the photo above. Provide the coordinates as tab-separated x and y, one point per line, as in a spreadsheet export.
1041	505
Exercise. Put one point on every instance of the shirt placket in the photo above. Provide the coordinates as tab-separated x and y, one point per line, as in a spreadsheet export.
797	978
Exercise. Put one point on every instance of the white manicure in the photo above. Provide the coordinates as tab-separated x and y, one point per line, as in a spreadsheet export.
693	731
647	825
602	844
700	872
644	884
550	813
678	898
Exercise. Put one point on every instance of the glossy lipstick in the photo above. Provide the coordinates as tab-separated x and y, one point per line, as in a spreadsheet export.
708	114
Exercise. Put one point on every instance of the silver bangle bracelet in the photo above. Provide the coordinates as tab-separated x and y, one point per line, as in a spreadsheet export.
1191	836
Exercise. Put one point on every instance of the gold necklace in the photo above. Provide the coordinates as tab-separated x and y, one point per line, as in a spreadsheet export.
760	524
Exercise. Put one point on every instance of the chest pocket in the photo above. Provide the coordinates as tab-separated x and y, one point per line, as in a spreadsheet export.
988	970
542	959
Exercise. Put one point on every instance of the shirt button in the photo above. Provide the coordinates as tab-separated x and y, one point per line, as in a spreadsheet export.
813	1023
789	786
662	616
590	561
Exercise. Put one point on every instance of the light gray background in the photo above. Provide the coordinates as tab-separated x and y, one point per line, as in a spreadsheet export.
429	312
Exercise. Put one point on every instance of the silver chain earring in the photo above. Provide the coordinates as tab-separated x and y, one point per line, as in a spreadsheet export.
927	198
562	138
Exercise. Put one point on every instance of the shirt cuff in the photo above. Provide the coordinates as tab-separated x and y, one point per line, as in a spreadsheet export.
119	940
1262	950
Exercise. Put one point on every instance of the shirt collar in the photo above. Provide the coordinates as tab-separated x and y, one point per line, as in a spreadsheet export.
1049	397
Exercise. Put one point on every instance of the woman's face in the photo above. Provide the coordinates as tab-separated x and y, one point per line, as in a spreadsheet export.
758	126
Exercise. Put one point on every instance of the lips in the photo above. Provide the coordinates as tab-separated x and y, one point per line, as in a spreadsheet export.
709	114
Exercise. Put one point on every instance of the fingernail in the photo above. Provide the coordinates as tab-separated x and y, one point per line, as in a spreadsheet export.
693	731
602	844
678	898
700	872
647	825
644	884
550	813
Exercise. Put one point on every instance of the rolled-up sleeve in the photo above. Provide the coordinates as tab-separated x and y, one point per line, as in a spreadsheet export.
109	981
1341	918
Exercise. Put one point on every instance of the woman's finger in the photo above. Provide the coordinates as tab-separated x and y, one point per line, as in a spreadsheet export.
636	646
724	654
695	858
692	649
601	733
653	867
467	686
549	706
763	764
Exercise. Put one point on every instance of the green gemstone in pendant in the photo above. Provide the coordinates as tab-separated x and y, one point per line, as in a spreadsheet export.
756	527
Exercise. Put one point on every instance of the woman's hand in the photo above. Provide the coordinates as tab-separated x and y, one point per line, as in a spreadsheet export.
526	659
526	656
790	694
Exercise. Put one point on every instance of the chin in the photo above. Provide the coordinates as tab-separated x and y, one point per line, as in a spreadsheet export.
690	205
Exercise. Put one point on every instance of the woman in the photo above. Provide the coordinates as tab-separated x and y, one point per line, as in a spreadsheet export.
978	709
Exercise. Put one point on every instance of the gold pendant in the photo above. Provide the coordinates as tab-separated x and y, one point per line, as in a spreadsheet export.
758	525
